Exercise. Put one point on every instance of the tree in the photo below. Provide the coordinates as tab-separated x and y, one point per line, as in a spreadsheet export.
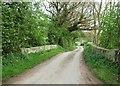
70	15
23	25
110	28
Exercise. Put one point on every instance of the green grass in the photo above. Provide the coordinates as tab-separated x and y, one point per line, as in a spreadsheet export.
16	63
103	68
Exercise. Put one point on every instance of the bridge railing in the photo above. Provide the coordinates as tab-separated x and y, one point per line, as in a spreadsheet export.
111	54
38	49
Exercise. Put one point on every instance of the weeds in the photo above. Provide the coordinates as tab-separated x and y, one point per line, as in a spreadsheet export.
102	67
15	63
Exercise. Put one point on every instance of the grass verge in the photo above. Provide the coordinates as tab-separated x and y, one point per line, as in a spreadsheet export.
103	68
16	63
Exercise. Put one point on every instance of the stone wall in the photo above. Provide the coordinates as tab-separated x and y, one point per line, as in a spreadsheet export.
112	54
37	49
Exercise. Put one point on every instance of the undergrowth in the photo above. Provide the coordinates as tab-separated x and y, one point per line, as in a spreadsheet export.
102	67
15	63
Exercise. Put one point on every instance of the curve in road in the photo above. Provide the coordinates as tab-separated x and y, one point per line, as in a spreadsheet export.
65	68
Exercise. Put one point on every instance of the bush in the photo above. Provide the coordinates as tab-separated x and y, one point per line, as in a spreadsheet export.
105	69
22	26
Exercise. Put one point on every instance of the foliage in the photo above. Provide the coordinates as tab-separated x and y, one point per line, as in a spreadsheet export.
73	15
25	25
67	19
101	66
110	31
15	63
22	26
59	35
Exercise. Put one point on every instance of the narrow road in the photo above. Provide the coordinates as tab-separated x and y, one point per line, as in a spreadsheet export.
65	68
